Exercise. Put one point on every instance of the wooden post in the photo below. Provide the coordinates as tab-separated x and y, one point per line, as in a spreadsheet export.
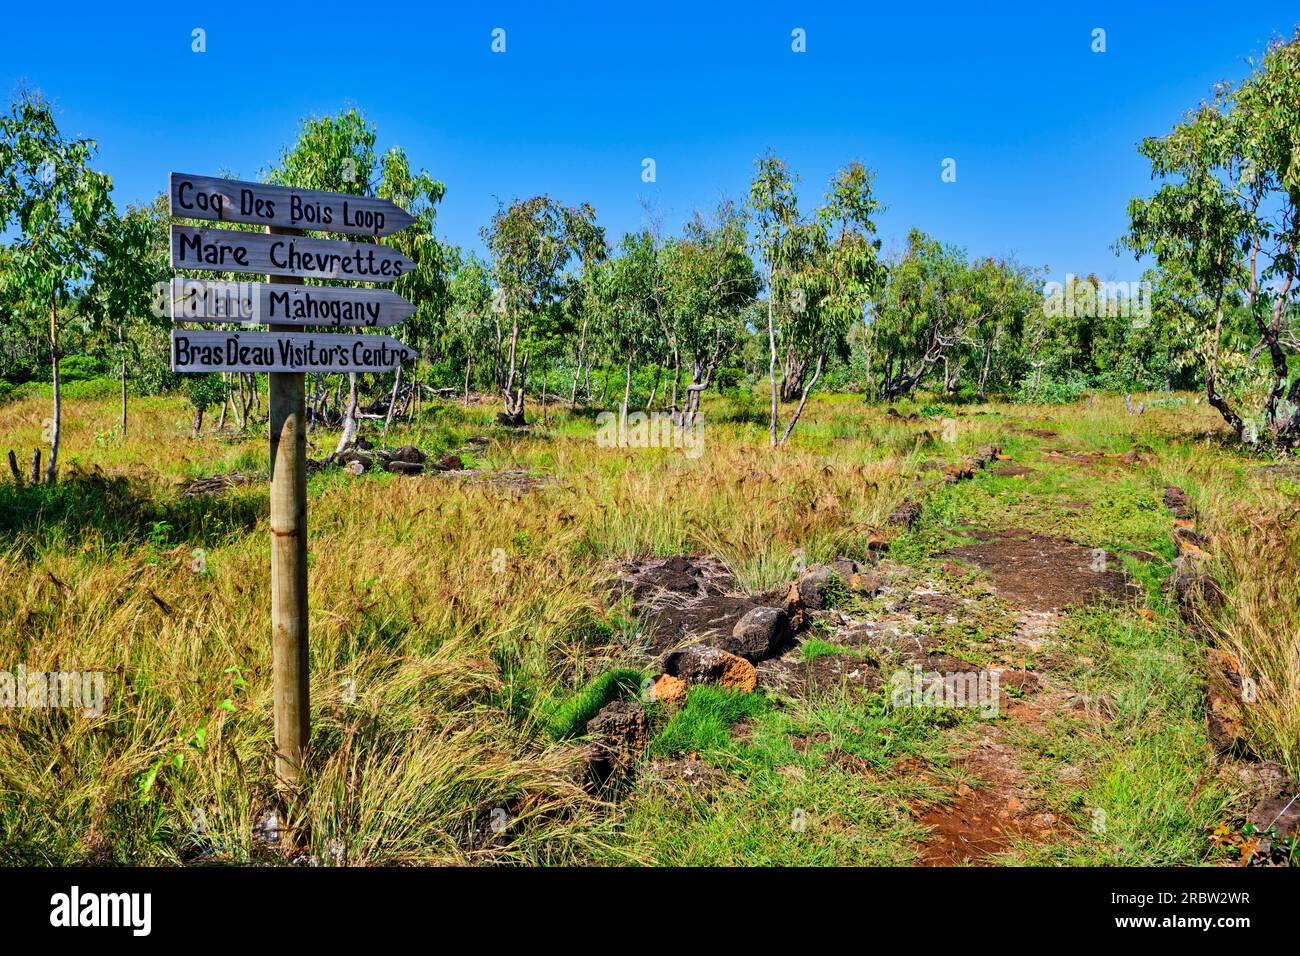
289	563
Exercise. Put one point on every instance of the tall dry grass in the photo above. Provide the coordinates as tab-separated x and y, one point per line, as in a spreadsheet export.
446	618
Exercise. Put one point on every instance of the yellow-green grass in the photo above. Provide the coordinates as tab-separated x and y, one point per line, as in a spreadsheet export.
451	621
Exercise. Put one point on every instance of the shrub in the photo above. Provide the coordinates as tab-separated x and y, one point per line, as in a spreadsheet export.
1051	390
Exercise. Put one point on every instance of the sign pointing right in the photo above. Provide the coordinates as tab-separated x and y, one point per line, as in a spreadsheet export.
285	352
229	200
260	303
225	250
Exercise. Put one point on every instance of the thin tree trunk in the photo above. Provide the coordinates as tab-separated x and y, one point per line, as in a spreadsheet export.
984	372
52	465
677	376
240	418
659	371
627	392
771	352
350	421
803	400
392	399
121	344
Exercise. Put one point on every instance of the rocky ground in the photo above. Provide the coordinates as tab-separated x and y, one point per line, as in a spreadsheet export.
990	600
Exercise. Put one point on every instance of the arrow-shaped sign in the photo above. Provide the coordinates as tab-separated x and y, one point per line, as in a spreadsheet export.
260	303
225	250
229	200
285	352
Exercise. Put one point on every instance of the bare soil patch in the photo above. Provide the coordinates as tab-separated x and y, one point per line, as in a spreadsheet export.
797	677
1046	574
1014	471
985	819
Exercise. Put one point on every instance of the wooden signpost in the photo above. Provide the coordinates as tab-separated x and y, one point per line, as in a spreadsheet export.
260	204
285	353
261	303
225	250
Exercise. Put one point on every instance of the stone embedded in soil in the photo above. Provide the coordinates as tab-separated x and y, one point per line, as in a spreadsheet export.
816	585
404	467
1224	703
1190	541
668	690
1192	586
904	516
705	664
682	598
797	677
619	732
847	567
409	454
1178	503
683	776
760	633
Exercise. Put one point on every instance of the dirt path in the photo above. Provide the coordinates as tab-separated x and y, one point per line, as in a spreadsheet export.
1013	626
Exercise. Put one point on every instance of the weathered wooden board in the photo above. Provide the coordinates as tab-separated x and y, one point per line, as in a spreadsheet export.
209	351
261	303
229	200
225	250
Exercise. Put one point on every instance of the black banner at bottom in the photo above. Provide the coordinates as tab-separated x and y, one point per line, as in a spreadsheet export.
330	905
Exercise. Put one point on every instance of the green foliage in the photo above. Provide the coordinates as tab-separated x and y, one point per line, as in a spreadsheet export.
567	716
78	368
704	723
1052	390
1224	228
205	391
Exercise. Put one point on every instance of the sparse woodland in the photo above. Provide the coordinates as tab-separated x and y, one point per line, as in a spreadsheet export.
528	646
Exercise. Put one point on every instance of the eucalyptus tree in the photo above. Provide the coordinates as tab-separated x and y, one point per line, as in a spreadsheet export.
123	291
532	242
836	272
337	154
426	285
631	294
775	211
471	321
59	206
711	280
920	313
822	272
1001	297
1225	225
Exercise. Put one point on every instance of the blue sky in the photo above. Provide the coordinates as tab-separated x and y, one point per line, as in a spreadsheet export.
1042	129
